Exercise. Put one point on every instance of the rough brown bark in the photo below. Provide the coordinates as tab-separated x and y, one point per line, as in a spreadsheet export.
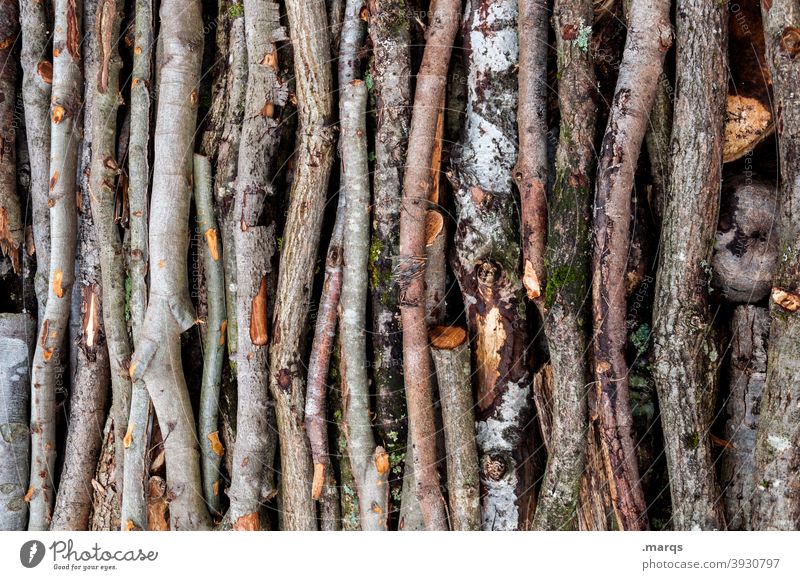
530	172
687	356
777	457
649	37
748	372
169	310
308	27
431	82
567	257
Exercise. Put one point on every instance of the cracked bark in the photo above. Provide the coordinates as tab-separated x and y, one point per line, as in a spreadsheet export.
169	311
309	31
777	457
687	354
649	37
102	186
431	83
748	371
90	383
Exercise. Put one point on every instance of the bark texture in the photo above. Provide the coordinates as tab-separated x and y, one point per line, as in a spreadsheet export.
649	37
309	32
37	79
431	82
530	172
389	29
777	475
452	359
488	256
370	462
214	342
748	371
102	186
687	355
65	116
11	228
17	334
134	501
251	482
169	311
567	258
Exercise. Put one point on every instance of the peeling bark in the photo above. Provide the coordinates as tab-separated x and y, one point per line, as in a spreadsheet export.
487	258
530	172
17	334
776	503
169	311
687	355
649	38
308	27
431	83
65	114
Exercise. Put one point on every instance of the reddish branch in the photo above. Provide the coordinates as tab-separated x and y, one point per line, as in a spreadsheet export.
431	82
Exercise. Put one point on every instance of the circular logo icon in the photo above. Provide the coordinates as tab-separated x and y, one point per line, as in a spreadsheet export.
31	553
